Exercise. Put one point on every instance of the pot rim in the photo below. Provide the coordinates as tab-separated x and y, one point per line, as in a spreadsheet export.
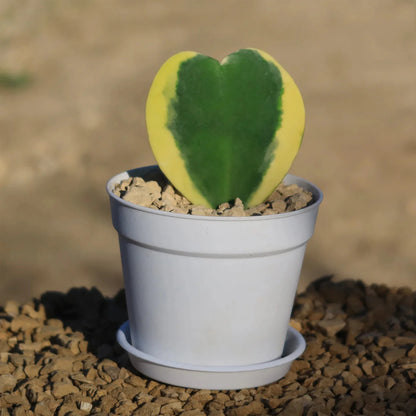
317	194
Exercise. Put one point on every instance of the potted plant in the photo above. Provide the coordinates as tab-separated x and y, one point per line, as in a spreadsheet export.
209	298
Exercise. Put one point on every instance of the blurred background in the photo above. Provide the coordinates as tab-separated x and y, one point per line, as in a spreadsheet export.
74	77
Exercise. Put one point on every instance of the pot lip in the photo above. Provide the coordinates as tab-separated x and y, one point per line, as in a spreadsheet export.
296	337
318	195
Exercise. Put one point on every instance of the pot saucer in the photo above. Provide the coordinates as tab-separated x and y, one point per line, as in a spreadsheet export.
213	377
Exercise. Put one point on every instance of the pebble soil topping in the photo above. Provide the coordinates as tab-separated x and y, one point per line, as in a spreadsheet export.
58	356
162	196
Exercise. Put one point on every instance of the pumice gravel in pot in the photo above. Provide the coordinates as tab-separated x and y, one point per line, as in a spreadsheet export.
209	298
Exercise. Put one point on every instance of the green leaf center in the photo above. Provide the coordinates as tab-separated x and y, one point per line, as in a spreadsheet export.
224	119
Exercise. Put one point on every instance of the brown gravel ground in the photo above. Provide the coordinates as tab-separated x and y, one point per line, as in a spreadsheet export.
58	356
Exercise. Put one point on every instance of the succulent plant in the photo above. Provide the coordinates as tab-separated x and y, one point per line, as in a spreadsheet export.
224	130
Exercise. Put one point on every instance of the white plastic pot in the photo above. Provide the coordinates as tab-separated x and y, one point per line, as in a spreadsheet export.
210	291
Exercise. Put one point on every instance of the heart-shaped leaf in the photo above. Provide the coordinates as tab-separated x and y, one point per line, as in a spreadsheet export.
224	130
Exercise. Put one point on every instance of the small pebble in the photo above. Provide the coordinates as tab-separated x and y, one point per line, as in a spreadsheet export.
61	389
332	326
7	382
85	406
